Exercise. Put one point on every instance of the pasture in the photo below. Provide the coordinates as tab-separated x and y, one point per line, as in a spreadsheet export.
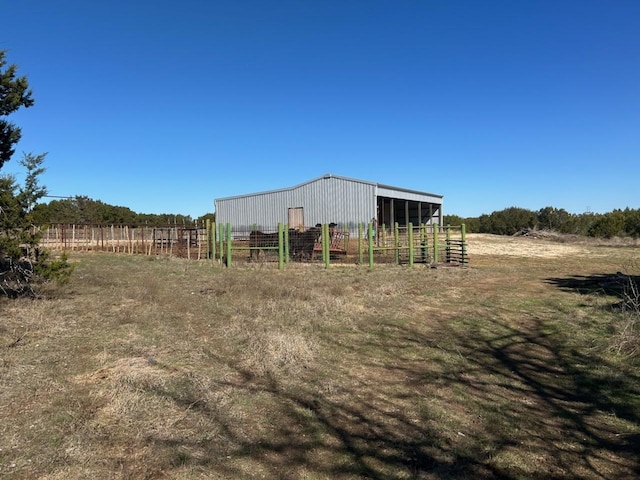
518	367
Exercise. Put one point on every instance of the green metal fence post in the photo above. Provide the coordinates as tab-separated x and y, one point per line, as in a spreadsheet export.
280	246
326	245
221	236
370	238
228	245
410	237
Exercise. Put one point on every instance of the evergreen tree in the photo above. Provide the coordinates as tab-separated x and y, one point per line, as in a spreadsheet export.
14	94
22	263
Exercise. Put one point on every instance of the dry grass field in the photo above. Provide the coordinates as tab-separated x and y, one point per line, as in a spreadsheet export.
518	367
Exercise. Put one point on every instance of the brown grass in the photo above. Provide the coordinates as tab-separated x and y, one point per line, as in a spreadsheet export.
160	368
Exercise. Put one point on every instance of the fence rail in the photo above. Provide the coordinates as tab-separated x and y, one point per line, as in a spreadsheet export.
433	245
183	241
427	244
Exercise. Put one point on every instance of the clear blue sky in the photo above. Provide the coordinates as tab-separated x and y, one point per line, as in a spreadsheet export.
162	106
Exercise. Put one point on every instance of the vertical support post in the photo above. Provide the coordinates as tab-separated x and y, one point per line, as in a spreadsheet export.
463	245
207	230
384	236
221	237
280	246
370	238
423	243
392	212
406	213
448	243
287	257
211	236
228	236
326	245
381	218
360	252
434	261
254	228
410	236
345	239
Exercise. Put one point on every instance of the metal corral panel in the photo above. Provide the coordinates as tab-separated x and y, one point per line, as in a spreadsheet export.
327	199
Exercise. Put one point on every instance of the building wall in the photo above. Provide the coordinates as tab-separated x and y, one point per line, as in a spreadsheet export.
328	199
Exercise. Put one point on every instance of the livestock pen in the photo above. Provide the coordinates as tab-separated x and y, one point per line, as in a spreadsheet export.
431	245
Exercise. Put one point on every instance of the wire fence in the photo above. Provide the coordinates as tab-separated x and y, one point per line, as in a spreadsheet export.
432	245
174	240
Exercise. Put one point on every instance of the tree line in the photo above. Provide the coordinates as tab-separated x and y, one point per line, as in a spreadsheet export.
82	210
617	223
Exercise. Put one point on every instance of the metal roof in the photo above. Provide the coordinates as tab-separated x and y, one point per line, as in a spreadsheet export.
329	175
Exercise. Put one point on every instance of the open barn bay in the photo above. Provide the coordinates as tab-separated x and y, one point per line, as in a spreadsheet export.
524	365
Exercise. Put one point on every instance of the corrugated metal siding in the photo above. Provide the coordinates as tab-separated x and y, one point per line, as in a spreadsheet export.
408	195
325	200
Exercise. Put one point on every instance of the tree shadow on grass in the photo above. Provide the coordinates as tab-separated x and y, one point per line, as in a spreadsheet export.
610	284
481	399
570	409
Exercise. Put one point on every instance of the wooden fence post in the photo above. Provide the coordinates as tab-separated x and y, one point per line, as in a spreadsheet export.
448	243
463	246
